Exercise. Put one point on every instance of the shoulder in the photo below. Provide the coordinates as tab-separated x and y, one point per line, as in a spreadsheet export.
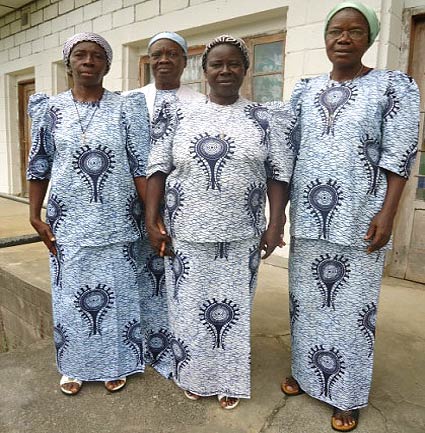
37	104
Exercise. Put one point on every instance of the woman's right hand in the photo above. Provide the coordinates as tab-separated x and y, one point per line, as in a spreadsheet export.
159	238
45	234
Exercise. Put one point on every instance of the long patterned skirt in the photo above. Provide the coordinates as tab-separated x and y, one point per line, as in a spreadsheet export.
96	311
209	290
333	292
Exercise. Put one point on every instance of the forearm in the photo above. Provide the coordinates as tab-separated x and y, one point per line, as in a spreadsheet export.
278	196
395	188
141	185
37	192
154	195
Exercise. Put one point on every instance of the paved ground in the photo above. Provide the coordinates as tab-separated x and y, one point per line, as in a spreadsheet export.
30	400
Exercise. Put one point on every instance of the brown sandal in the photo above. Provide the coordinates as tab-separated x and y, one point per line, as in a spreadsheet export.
354	414
296	389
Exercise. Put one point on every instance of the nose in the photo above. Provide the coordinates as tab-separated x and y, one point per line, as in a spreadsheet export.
225	69
345	37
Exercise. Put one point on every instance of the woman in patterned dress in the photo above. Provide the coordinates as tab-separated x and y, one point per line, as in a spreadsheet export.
357	130
91	145
213	164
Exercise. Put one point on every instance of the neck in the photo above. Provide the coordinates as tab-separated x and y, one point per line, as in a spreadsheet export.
87	93
223	100
167	85
348	73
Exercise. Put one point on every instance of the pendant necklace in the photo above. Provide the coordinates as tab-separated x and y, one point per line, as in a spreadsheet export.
351	79
84	129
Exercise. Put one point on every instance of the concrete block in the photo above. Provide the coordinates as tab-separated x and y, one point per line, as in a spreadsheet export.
36	18
304	38
316	62
294	64
8	42
26	49
15	27
123	17
50	12
131	2
87	26
111	6
65	34
66	6
1	21
92	10
33	7
169	6
37	45
51	41
79	3
197	2
147	10
45	29
42	4
14	53
297	16
5	31
31	34
75	17
102	24
59	22
9	18
19	38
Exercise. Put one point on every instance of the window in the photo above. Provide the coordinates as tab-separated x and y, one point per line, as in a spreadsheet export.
420	191
264	79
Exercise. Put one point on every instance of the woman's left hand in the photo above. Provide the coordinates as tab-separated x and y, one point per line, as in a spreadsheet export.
380	229
271	239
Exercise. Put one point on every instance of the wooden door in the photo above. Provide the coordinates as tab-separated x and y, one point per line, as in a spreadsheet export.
25	90
408	255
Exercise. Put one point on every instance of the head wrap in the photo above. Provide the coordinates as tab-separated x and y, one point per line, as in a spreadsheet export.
227	39
366	11
86	37
179	40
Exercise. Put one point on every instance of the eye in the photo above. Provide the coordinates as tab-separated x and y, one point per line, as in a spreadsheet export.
334	33
155	56
173	55
356	33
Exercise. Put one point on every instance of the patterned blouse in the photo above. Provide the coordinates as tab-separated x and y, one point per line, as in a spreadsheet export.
218	159
93	200
346	135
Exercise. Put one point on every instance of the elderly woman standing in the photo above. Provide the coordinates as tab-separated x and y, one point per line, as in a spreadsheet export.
358	138
92	146
213	164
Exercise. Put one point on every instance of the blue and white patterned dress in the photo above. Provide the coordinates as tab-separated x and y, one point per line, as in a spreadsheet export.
348	135
218	159
95	214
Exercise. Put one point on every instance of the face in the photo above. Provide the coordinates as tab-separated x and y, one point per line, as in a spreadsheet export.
225	70
87	63
167	61
347	38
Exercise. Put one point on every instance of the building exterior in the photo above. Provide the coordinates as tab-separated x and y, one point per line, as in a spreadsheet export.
286	42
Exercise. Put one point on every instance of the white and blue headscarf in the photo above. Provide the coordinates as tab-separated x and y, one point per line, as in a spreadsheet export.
179	40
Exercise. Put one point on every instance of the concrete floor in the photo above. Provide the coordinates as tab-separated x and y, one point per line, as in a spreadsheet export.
31	402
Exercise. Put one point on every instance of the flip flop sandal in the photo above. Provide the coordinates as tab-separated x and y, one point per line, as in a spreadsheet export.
290	393
122	381
222	399
192	396
353	413
66	380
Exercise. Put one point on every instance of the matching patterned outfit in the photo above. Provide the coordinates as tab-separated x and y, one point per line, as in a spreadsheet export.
346	136
218	159
95	215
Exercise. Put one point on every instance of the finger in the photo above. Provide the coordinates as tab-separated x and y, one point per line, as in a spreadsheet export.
161	227
162	249
370	232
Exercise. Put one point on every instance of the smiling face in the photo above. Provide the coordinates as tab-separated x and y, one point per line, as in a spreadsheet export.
87	64
167	60
347	38
224	72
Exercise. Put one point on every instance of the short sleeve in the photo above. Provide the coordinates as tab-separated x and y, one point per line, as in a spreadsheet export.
40	158
400	124
164	126
137	132
280	159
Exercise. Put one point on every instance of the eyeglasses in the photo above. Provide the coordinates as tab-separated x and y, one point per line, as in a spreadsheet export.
354	34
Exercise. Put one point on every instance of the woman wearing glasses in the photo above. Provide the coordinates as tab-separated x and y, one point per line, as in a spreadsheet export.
357	142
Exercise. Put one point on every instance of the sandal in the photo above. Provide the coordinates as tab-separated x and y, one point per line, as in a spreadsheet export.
225	402
296	389
66	380
354	414
192	396
115	385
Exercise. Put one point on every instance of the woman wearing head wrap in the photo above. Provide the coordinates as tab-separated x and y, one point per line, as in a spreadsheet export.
357	130
213	162
92	145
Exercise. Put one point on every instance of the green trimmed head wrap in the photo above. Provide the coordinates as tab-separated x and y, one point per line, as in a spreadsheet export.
366	11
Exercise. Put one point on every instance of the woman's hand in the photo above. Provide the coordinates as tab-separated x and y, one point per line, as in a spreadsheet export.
158	238
379	232
45	234
271	239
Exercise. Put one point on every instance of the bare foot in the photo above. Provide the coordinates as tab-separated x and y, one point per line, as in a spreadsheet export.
344	420
291	387
115	385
